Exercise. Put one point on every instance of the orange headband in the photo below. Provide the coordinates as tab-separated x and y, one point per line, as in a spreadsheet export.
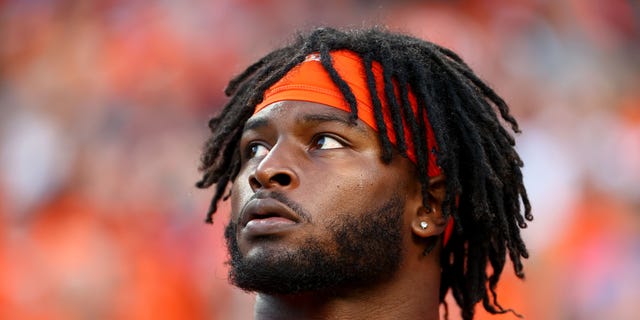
309	81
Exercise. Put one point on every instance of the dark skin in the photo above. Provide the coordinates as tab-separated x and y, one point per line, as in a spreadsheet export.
312	154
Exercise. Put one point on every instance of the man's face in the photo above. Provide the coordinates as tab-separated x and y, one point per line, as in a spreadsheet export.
313	206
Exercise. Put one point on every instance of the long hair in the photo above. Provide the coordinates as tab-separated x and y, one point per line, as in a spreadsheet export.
473	129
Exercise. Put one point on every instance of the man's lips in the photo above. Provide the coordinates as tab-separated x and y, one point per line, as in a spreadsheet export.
267	215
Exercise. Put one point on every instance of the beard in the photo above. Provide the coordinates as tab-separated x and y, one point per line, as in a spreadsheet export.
363	251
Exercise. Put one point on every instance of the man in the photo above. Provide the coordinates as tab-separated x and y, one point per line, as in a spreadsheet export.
369	174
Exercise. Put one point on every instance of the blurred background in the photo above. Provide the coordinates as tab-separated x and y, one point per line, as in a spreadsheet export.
103	111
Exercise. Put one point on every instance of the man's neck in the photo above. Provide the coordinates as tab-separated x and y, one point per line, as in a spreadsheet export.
405	298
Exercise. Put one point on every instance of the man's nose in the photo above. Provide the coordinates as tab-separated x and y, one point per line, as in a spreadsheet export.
276	170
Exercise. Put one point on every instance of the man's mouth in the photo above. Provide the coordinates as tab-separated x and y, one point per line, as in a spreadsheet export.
267	216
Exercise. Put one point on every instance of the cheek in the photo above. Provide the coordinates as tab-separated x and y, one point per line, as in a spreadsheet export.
353	191
368	183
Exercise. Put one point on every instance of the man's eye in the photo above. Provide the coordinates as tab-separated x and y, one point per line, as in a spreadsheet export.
257	150
326	142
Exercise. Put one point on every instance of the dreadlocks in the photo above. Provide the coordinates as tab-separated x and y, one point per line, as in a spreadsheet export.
484	188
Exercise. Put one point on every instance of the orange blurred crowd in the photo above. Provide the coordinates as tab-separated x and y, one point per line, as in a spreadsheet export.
103	112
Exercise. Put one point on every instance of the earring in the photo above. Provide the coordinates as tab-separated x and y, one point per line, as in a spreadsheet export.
423	225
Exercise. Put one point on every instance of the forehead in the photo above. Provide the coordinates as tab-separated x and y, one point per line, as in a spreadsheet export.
304	113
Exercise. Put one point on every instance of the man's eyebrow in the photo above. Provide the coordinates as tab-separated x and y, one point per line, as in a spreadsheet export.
320	117
255	123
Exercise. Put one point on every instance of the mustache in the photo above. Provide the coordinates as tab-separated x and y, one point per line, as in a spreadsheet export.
280	197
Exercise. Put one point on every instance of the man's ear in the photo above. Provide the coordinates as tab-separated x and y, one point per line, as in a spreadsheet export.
429	221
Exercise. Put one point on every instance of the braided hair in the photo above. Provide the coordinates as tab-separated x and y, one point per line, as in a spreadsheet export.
473	129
